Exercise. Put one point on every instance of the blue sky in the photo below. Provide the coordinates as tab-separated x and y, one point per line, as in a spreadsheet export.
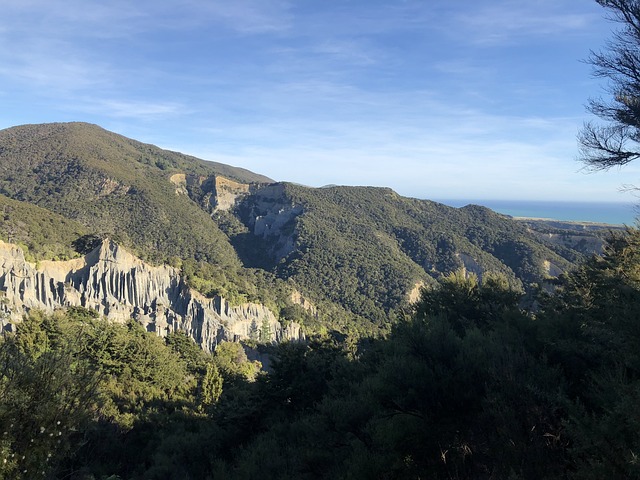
436	99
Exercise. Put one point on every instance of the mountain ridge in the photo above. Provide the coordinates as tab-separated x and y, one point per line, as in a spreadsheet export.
355	252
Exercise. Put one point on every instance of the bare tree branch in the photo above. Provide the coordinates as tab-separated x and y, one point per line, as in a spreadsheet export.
618	142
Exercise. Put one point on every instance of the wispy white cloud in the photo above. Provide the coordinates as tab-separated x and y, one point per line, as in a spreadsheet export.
352	51
121	18
141	110
53	66
509	20
430	146
462	67
66	19
245	16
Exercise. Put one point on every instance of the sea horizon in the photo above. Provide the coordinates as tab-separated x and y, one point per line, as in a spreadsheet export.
613	213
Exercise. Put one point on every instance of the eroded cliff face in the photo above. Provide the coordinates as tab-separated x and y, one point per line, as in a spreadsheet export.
120	286
270	216
263	208
214	193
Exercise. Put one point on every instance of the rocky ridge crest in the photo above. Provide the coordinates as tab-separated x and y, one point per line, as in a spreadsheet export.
120	286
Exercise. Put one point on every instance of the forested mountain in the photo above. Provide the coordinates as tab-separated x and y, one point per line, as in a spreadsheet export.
114	186
384	245
354	255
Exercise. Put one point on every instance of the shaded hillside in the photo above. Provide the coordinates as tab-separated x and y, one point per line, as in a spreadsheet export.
470	386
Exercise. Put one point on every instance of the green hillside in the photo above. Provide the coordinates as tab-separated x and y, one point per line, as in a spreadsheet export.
356	252
367	248
41	233
114	186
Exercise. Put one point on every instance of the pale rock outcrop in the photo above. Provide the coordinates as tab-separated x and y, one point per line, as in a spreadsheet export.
271	216
416	292
551	269
227	192
109	186
214	193
180	181
469	264
267	213
120	286
298	299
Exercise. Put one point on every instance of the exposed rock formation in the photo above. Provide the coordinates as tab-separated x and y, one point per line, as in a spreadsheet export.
121	286
180	181
262	208
469	264
271	217
212	193
227	192
551	269
297	299
416	292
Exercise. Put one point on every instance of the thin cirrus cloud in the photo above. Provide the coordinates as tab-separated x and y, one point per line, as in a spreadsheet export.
246	16
510	20
70	16
133	109
53	67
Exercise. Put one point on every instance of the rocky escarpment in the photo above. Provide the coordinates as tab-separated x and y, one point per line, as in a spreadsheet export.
120	286
213	193
262	208
271	217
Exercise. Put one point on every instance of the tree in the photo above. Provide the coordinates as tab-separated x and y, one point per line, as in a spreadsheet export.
211	385
467	302
590	329
617	142
48	395
265	332
253	331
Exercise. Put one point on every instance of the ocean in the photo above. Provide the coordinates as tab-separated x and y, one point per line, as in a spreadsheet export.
599	212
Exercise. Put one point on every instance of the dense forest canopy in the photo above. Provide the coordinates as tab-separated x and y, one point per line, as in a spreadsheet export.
469	385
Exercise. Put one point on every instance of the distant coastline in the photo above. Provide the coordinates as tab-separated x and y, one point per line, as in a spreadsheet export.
609	213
